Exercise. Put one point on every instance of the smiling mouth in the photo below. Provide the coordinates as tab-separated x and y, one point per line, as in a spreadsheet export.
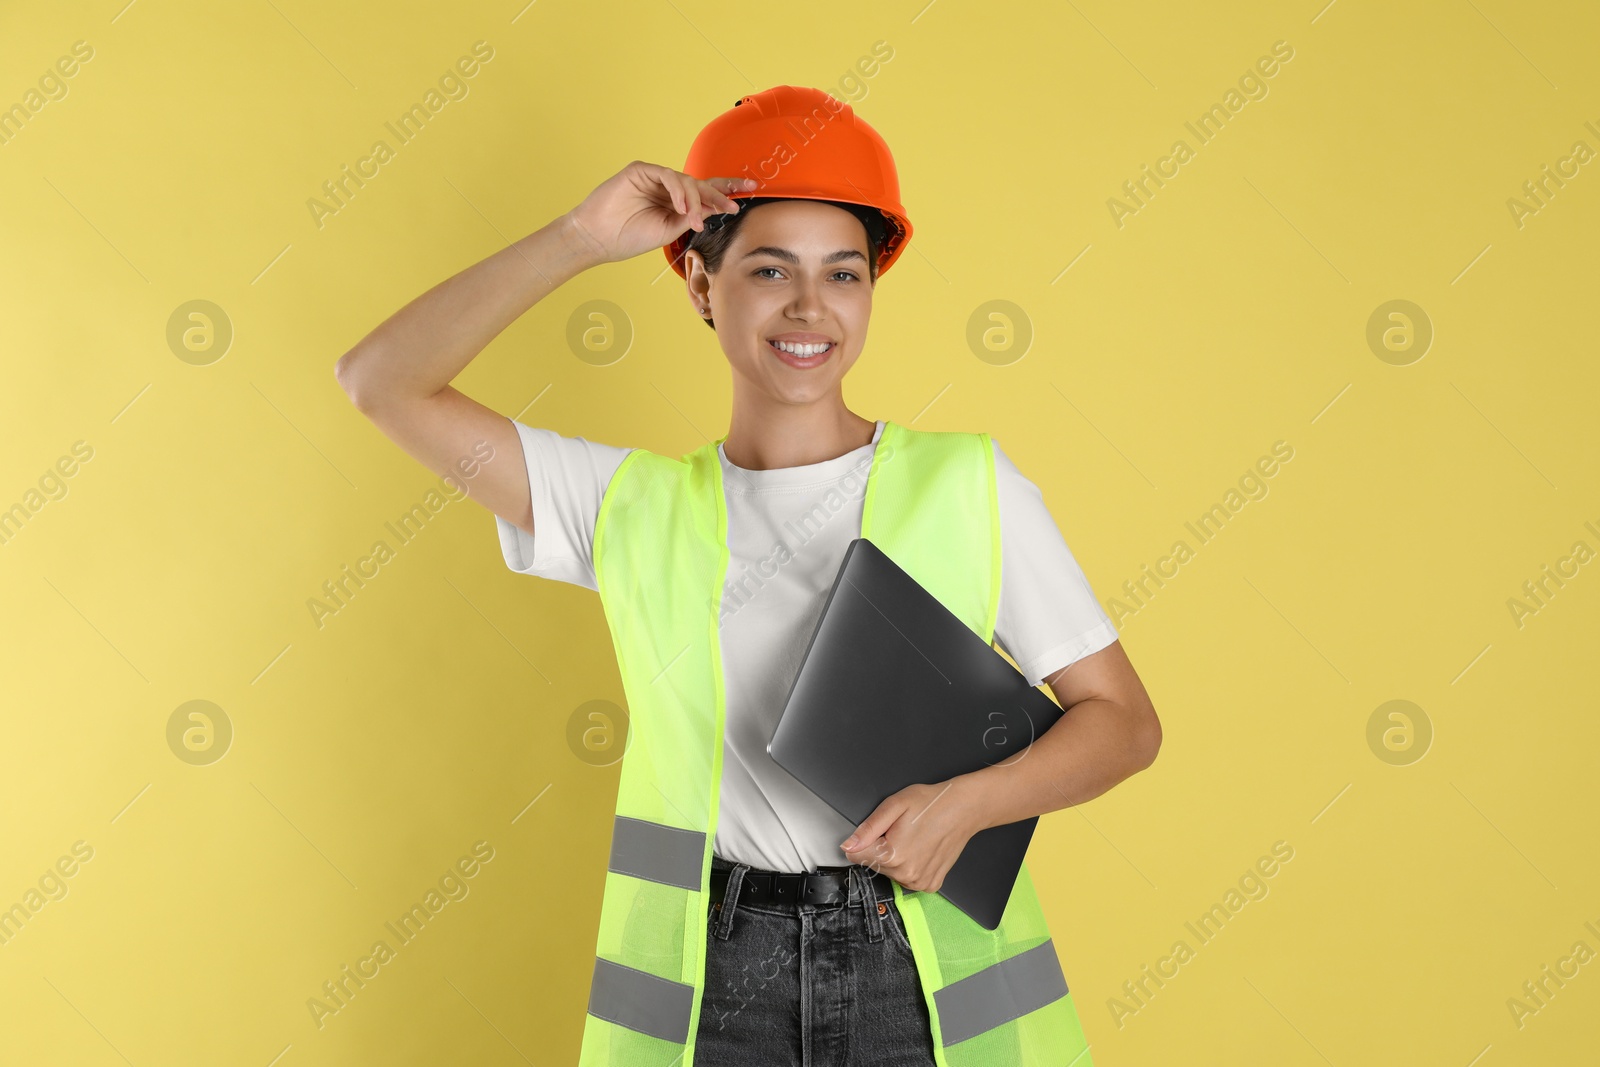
802	356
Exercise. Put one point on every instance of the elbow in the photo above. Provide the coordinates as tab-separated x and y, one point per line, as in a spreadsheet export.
1149	738
346	373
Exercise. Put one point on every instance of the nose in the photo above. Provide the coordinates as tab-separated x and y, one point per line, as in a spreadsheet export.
807	303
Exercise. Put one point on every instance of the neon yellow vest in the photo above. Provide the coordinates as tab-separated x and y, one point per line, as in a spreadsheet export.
995	998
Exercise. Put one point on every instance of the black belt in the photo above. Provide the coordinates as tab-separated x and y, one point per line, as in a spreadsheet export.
828	885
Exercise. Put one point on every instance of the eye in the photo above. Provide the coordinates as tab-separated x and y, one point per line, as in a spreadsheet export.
848	274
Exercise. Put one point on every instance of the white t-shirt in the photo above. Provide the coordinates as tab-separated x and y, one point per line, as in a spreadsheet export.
1048	616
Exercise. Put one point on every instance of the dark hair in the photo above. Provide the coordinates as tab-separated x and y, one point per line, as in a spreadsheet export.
713	241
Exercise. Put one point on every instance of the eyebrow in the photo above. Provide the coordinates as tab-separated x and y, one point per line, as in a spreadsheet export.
789	257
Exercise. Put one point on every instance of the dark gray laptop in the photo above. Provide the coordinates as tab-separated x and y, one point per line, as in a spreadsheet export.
894	690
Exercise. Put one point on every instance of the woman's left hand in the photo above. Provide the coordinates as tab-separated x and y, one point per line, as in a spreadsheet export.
916	835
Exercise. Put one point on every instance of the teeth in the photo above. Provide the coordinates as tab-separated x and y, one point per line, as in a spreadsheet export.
801	350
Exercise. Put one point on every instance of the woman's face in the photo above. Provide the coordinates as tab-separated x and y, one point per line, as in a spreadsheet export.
796	271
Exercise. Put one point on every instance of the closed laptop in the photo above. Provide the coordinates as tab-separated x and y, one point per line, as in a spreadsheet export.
895	690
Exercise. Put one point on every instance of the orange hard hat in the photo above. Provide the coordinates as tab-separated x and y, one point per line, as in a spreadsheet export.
800	144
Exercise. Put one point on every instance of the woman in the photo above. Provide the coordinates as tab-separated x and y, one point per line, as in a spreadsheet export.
743	920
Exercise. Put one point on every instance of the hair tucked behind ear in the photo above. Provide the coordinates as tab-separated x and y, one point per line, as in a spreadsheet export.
713	241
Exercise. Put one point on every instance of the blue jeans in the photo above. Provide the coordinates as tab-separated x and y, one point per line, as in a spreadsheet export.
809	985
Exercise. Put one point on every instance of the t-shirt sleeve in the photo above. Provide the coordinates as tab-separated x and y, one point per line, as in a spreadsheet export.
567	478
1048	616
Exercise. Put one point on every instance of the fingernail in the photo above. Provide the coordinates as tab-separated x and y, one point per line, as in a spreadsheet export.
849	842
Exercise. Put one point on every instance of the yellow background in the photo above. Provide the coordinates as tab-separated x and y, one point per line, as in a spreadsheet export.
432	711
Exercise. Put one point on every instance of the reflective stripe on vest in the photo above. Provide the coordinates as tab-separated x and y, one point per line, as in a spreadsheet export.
996	995
661	562
641	1001
657	853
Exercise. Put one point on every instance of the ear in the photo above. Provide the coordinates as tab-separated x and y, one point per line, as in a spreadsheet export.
696	282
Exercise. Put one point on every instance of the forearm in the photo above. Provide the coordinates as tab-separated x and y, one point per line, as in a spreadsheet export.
421	348
1091	748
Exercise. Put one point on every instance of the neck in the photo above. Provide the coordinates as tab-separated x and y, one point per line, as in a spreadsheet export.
781	435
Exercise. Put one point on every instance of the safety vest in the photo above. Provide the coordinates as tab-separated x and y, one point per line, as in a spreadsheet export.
995	998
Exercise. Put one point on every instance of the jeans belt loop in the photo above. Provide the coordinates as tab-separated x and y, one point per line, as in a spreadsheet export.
730	900
869	903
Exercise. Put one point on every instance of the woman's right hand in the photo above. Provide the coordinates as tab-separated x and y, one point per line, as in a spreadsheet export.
646	206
